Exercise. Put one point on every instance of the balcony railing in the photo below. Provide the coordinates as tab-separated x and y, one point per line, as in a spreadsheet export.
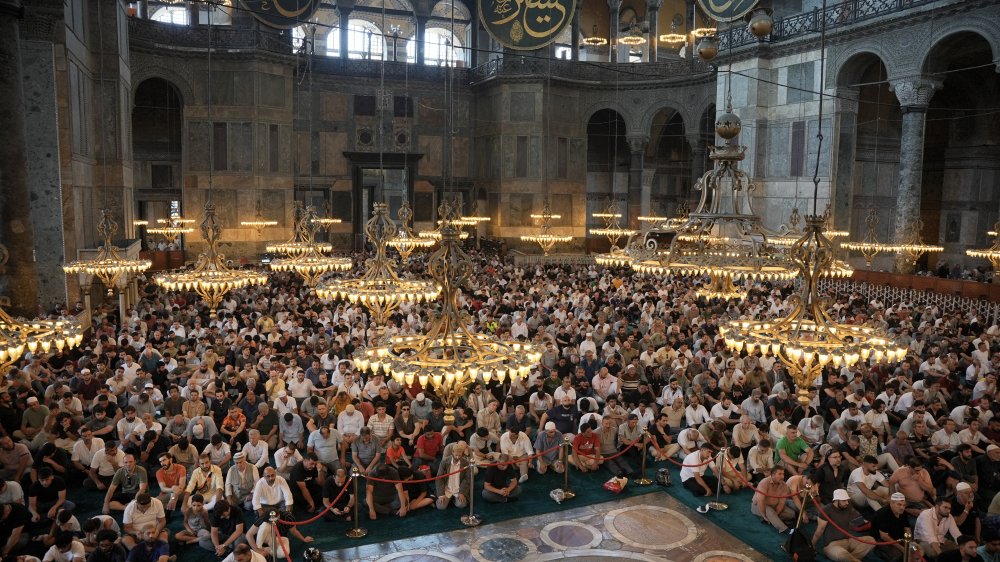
839	14
677	69
158	34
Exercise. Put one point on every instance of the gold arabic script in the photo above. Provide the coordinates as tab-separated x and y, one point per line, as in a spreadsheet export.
508	10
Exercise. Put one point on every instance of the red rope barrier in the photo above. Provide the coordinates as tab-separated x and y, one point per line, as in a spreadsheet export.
846	533
751	486
431	479
277	537
321	513
602	458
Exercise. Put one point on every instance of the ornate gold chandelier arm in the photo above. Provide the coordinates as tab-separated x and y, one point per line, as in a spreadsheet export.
108	265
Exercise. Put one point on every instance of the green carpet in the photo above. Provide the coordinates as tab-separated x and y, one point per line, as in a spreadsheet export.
535	499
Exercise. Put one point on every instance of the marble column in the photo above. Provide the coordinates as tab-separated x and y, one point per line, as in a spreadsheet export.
574	27
914	96
845	149
43	22
698	160
421	28
16	229
344	8
614	8
653	35
637	144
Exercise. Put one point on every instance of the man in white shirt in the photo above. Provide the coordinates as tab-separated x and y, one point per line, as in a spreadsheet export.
693	475
141	512
271	491
866	485
695	413
933	526
516	444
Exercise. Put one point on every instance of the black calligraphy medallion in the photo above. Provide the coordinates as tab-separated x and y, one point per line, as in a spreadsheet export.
525	24
282	14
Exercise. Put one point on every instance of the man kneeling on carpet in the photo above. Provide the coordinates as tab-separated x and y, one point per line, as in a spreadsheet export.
501	483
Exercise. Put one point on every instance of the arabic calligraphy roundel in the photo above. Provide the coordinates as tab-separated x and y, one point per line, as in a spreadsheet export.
726	10
525	25
282	14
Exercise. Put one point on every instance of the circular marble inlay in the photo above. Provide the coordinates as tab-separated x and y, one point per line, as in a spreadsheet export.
598	555
564	535
721	556
501	548
650	527
418	556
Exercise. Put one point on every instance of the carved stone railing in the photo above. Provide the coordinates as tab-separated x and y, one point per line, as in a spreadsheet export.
393	70
587	71
947	294
169	36
836	14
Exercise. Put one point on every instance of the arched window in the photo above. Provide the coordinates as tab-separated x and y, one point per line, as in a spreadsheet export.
441	48
177	15
333	42
364	40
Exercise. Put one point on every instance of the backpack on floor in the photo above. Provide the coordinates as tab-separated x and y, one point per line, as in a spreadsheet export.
799	547
663	477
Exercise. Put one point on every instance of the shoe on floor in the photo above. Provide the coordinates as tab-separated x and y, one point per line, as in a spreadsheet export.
523	478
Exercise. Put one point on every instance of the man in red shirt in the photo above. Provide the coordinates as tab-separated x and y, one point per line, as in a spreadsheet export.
172	478
428	448
586	448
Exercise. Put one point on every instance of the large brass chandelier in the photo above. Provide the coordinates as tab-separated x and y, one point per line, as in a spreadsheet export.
259	222
112	268
545	239
615	256
17	335
406	240
172	228
723	238
807	339
992	253
311	264
210	278
912	246
612	229
871	246
297	245
379	289
450	356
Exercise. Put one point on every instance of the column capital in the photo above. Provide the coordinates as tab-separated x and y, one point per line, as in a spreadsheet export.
615	5
847	99
345	6
637	142
914	94
654	4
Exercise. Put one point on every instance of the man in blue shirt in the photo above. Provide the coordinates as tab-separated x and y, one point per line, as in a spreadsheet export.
151	549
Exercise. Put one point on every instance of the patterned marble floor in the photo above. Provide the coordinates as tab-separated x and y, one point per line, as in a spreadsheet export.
651	528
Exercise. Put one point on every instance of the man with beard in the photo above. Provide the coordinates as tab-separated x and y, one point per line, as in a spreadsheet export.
889	524
151	548
837	546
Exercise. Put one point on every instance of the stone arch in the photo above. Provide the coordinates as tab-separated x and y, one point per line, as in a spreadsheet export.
143	73
630	123
844	59
947	36
646	122
850	70
443	9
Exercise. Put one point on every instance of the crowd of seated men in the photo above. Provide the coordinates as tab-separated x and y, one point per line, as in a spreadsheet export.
219	421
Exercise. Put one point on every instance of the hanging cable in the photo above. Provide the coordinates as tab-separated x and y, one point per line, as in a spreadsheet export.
819	120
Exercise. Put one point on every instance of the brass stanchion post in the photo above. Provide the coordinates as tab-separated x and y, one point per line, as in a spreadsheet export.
273	518
908	545
642	480
356	532
471	519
